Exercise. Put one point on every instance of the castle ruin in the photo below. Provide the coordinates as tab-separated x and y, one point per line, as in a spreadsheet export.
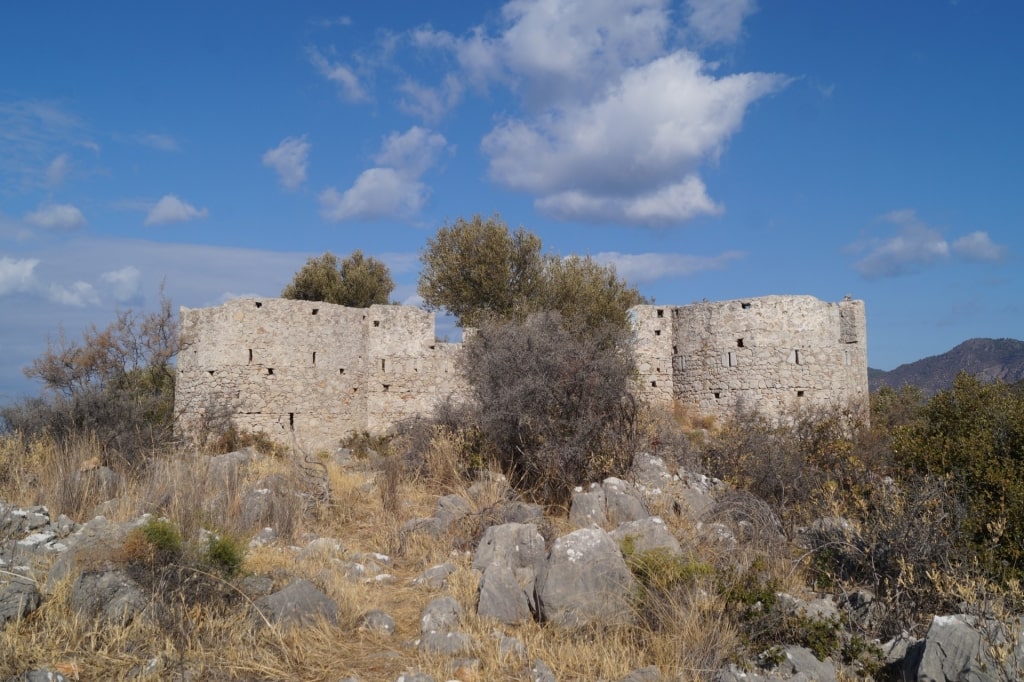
318	372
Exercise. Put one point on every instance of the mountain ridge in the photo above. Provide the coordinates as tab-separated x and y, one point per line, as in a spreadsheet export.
988	359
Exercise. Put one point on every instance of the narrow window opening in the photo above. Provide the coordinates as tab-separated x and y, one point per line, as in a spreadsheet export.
657	332
739	343
210	371
314	358
382	364
291	421
270	371
355	389
258	304
661	313
745	306
675	350
846	358
433	347
731	359
376	323
250	356
315	311
341	370
386	387
796	356
799	394
717	395
658	370
654	384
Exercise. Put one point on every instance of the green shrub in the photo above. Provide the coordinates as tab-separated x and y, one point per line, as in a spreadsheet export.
225	554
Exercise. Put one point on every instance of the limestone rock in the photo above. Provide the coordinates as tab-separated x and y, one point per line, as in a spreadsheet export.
587	507
442	614
622	502
110	595
501	596
585	579
646	535
300	603
18	597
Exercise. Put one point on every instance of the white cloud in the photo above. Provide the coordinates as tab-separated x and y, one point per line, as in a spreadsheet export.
377	193
171	209
340	74
672	204
641	141
614	124
392	188
647	267
719	21
290	159
79	294
429	103
56	217
125	284
58	170
911	248
17	276
978	247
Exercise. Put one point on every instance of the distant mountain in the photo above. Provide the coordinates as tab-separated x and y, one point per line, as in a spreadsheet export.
988	359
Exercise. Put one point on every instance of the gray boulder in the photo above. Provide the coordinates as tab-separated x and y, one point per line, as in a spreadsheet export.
647	535
540	672
960	648
451	508
587	507
299	603
518	547
378	621
19	597
622	502
442	614
110	596
435	577
501	597
585	579
649	674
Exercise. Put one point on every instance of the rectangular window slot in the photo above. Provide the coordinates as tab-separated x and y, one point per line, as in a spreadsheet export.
314	358
382	364
654	384
355	389
675	350
731	359
258	304
846	358
739	343
796	357
657	332
799	394
315	311
341	370
291	421
210	371
661	313
745	306
270	371
376	323
433	347
250	356
387	387
717	395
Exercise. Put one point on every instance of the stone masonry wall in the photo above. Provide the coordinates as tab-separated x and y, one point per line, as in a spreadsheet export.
311	371
770	354
317	372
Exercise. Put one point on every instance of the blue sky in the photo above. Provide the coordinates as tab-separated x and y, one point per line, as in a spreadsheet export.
711	149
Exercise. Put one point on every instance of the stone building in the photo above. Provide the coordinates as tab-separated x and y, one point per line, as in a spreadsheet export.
317	372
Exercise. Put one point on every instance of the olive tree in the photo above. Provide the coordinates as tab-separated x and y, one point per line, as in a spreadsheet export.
357	281
480	270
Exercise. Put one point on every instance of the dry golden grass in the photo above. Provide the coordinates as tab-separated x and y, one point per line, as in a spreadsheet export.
686	635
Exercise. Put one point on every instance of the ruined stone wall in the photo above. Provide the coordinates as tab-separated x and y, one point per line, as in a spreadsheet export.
770	354
311	371
317	372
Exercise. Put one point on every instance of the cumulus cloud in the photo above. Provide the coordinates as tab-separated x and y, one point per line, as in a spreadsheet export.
428	103
978	247
17	276
393	188
917	245
124	284
614	124
58	170
719	21
56	217
647	267
171	209
340	74
79	294
290	160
